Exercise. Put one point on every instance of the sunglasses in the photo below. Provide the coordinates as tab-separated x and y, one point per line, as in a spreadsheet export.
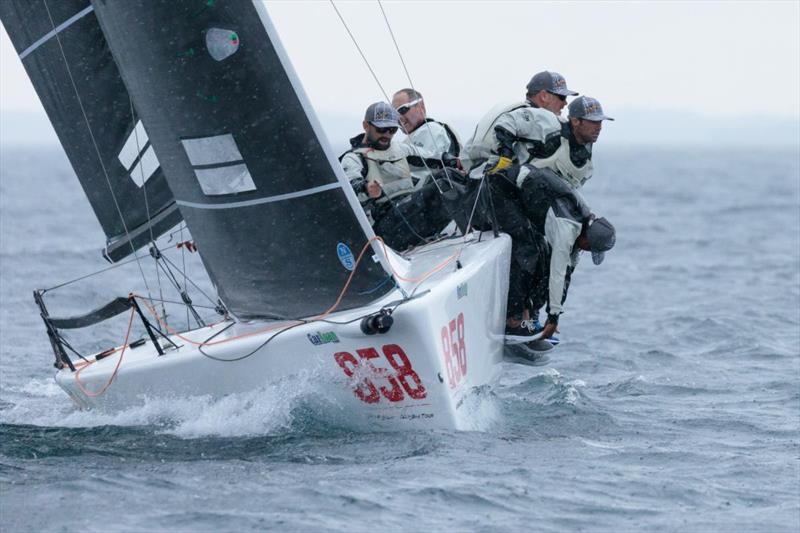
391	130
405	108
561	97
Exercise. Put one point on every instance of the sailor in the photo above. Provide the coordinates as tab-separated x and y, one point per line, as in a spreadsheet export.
558	212
423	132
380	173
517	134
520	131
572	162
573	158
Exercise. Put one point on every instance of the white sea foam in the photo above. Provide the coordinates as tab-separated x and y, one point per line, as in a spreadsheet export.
257	412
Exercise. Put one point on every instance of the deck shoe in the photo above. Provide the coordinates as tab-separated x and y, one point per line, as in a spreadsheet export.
521	354
525	332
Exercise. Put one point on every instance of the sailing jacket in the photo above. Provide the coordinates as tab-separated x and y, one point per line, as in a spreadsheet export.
557	210
518	131
390	168
431	137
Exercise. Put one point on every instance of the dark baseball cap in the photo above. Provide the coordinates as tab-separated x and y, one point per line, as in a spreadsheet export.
602	236
587	108
382	115
552	82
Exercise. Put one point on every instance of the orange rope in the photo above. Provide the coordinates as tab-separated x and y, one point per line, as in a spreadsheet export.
285	325
116	369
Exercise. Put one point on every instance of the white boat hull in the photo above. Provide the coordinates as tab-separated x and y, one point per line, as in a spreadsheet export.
445	342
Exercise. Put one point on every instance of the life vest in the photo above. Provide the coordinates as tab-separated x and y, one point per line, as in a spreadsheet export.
388	167
455	141
561	162
481	145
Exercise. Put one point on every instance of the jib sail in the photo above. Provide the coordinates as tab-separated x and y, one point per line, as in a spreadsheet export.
250	169
68	60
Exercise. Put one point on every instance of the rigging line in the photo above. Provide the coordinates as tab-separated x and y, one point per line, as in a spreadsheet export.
94	143
176	302
183	292
183	259
146	203
468	229
352	37
70	282
195	285
408	75
388	100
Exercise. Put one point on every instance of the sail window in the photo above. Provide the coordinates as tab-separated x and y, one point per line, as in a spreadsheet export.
138	156
134	144
225	180
145	168
221	43
211	150
212	159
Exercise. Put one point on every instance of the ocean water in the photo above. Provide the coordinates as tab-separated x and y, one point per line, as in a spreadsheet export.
672	403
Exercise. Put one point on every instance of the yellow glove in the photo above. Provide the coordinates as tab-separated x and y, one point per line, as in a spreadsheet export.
503	162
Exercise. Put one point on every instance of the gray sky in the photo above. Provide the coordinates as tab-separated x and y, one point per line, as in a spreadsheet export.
718	59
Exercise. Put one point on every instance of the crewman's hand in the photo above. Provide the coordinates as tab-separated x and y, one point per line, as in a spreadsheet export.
373	189
503	162
550	326
549	330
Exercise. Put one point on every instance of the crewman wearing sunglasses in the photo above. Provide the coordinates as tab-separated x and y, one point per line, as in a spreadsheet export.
380	172
423	132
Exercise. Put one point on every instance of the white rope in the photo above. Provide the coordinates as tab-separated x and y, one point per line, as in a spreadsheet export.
96	148
408	75
352	37
428	129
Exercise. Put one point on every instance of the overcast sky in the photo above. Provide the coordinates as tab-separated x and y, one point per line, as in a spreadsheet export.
720	59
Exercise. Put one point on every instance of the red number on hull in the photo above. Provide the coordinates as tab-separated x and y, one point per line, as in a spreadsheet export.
350	365
462	346
455	350
403	378
404	370
395	394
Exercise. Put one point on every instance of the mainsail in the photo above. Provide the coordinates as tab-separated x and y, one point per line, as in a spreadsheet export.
249	167
68	60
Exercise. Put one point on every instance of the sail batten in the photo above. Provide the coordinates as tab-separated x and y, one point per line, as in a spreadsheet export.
267	200
52	33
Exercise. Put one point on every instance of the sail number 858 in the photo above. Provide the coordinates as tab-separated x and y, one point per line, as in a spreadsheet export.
404	380
455	350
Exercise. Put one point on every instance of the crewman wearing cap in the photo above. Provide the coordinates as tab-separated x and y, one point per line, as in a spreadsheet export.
522	131
379	171
571	162
573	158
557	211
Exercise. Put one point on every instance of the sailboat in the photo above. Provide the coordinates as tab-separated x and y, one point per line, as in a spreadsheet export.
189	112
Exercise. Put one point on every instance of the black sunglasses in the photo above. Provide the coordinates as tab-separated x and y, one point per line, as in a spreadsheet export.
392	129
561	97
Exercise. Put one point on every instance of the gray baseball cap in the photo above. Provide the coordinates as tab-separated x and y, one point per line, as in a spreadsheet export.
602	236
587	108
552	82
382	115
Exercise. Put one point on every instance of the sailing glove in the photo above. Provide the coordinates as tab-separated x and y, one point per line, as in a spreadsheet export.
502	163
